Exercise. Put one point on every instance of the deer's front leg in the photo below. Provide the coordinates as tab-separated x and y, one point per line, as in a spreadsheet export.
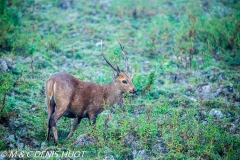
93	119
75	123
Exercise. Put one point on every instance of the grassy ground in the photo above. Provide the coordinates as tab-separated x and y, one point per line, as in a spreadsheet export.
184	56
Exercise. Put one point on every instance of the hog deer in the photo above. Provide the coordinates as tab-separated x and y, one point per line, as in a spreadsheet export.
67	96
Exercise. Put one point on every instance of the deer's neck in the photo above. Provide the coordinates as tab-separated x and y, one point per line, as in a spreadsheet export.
111	93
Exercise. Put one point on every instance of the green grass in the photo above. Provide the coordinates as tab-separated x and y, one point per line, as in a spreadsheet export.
172	47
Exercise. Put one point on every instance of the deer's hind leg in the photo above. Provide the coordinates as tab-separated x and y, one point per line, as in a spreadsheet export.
60	109
50	109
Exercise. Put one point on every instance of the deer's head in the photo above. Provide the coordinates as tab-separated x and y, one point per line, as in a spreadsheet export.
123	80
124	83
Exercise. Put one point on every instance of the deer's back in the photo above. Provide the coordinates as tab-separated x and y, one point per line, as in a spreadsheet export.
79	97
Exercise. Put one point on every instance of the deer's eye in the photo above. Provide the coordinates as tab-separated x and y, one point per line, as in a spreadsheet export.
125	82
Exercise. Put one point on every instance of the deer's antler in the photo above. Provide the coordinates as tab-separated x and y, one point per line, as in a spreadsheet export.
115	69
124	55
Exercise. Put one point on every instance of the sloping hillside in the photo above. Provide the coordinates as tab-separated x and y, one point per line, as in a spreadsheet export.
184	56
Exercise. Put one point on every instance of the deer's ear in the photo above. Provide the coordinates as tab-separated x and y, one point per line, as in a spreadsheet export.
128	74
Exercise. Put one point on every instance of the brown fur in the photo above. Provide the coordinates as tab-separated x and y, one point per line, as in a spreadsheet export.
73	98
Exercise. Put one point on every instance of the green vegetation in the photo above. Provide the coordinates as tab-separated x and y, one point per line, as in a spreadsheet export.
184	56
